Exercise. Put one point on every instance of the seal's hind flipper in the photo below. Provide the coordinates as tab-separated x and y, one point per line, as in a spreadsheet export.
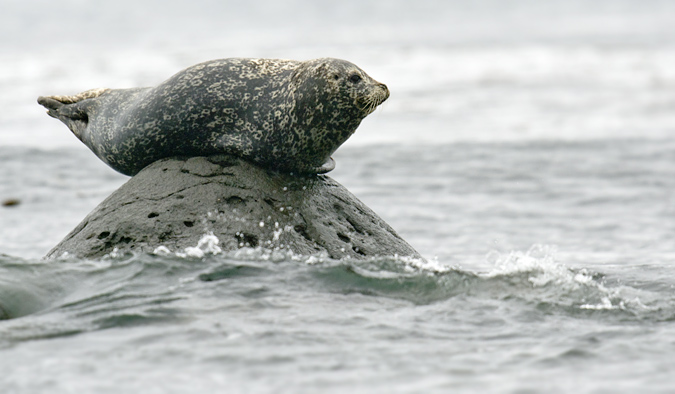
87	94
71	110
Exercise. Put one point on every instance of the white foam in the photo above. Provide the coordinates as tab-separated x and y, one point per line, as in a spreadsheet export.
208	244
605	304
162	251
432	265
543	270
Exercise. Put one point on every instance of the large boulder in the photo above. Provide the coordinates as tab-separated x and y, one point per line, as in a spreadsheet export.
172	204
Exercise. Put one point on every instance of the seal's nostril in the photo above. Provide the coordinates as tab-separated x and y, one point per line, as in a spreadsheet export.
386	90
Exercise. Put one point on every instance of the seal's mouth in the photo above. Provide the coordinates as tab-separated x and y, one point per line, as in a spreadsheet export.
379	94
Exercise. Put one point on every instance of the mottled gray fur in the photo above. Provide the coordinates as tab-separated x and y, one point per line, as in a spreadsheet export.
282	114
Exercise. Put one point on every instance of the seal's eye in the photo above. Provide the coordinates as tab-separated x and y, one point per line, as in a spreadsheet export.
336	77
354	78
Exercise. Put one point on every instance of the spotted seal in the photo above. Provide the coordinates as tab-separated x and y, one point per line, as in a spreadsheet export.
281	114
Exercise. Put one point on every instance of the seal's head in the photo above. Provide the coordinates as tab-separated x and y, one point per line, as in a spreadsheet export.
341	84
332	97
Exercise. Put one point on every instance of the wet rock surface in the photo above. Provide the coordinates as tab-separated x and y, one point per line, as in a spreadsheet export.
174	202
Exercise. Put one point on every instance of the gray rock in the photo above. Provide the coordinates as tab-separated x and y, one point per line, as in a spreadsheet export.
174	202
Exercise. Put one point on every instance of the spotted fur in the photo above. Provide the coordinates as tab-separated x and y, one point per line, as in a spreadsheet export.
281	114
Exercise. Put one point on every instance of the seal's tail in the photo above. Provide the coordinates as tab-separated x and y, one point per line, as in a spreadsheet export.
71	110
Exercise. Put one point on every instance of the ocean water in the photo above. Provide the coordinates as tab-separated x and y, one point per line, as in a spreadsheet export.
527	151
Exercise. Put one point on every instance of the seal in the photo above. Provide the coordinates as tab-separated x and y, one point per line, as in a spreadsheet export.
284	115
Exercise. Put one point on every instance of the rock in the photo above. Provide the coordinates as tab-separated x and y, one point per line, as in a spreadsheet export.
174	202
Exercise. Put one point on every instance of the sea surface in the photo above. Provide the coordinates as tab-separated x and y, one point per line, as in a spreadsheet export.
527	151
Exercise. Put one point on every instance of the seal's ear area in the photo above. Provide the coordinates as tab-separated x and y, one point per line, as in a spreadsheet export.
319	68
297	75
309	78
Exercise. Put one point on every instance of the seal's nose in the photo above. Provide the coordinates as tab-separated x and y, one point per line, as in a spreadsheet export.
385	89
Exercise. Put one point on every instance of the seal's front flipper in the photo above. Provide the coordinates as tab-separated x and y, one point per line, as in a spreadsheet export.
71	110
328	166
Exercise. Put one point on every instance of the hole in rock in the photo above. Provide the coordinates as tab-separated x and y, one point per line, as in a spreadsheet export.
343	237
302	230
233	200
247	239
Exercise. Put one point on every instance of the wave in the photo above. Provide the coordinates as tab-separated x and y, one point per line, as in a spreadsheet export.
532	278
44	299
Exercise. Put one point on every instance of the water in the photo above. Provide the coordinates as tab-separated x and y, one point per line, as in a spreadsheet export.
526	152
